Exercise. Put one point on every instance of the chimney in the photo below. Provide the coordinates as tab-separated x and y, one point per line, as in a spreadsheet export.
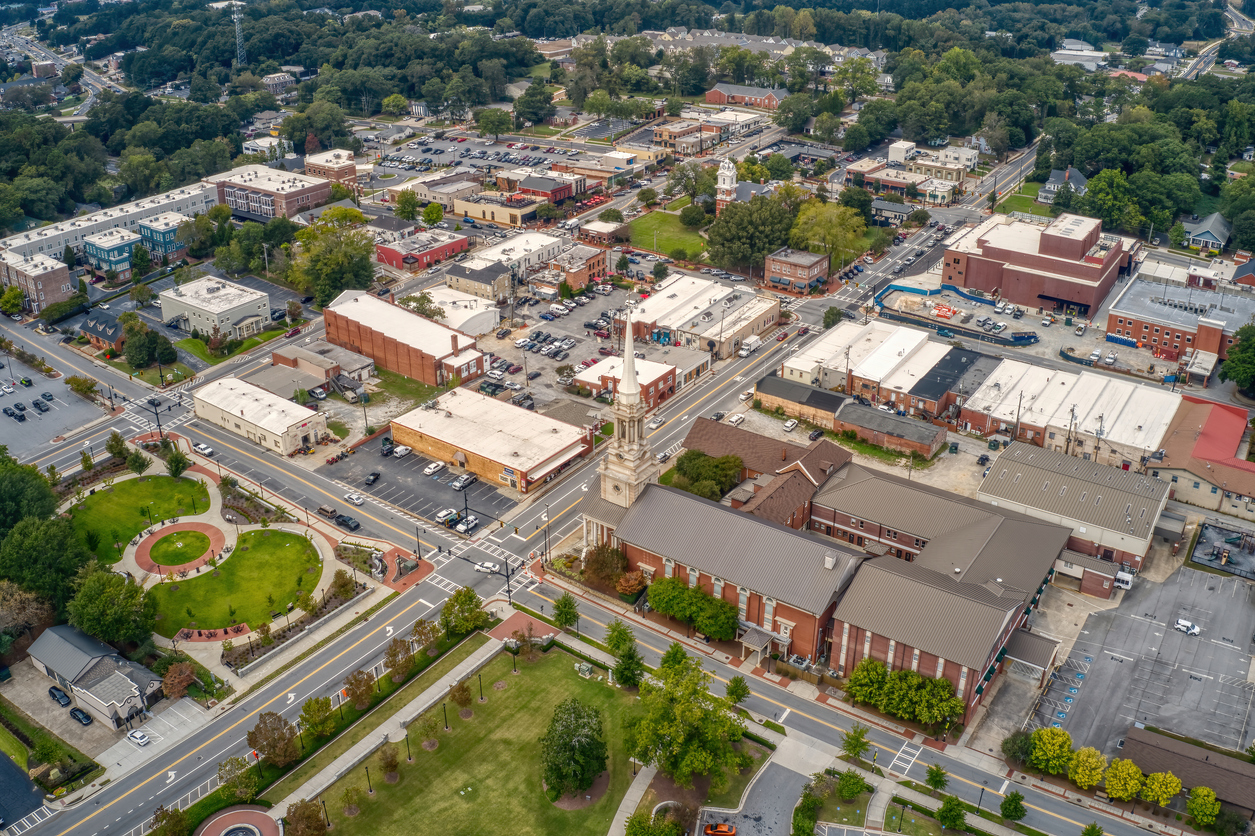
784	454
830	560
454	339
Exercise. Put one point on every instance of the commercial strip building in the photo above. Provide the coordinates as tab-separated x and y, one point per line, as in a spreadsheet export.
795	271
499	442
604	233
1200	459
210	304
1113	513
513	210
1087	415
400	341
51	240
272	421
521	253
259	193
43	279
441	187
1068	263
421	250
657	380
702	314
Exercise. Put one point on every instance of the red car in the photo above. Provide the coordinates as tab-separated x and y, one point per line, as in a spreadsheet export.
720	830
607	351
293	332
515	369
783	335
803	331
604	334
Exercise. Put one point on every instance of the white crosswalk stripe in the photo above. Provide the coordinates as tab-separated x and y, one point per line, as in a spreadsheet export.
905	758
30	820
442	583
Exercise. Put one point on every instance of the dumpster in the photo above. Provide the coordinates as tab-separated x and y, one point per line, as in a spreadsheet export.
954	447
993	444
1067	320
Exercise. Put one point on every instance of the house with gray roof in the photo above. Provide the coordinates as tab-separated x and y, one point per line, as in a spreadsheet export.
1078	181
1211	232
108	686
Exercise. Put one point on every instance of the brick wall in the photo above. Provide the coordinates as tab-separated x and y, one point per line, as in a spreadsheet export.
891	442
821	418
393	356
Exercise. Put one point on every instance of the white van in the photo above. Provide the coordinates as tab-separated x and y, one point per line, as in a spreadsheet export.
558	310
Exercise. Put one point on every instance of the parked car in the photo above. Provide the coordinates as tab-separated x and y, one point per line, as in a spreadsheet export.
1186	626
59	695
373	477
533	375
137	737
816	435
433	468
718	416
203	449
1111	359
464	481
446	515
347	522
468	525
790	425
82	716
736	419
401	452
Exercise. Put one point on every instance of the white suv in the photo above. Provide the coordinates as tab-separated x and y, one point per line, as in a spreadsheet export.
1186	626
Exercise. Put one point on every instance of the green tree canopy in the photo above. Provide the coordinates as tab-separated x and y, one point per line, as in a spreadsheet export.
113	608
573	749
745	233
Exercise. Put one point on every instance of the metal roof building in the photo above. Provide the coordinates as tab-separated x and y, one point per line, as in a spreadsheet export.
269	420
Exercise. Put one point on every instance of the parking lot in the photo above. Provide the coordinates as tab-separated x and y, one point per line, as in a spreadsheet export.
402	485
32	437
603	129
1137	667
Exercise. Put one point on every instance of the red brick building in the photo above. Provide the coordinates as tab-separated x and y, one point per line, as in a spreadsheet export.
258	193
657	380
553	190
421	250
738	94
795	271
1070	262
581	265
334	165
401	341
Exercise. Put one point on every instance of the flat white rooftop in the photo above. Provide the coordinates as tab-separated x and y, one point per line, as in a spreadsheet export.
111	238
254	404
263	179
895	351
31	264
647	371
334	157
496	430
403	326
910	373
829	350
517	246
165	221
212	295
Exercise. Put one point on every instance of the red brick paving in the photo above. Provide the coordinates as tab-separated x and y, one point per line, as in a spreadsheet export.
217	540
243	814
519	621
390	558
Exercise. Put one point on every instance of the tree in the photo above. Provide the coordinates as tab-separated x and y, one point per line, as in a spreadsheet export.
793	113
573	749
137	462
318	716
1203	806
867	681
850	784
1092	829
1160	788
424	633
856	139
112	607
951	814
24	494
1123	780
690	178
460	694
744	233
177	463
566	611
630	669
859	200
832	316
398	659
389	758
41	555
535	105
737	691
406	206
20	611
1087	767
659	271
170	821
177	679
619	638
238	779
141	294
274	738
937	778
423	305
662	823
358	687
1134	45
116	445
829	228
1176	235
693	216
492	121
463	612
854	743
433	214
684	731
610	216
1012	807
335	254
12	300
1239	366
396	104
304	818
141	261
779	167
1052	750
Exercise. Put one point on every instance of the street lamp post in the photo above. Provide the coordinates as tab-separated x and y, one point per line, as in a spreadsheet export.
981	802
369	788
445	707
481	687
418	544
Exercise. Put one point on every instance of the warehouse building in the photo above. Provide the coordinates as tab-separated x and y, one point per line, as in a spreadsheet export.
501	443
269	420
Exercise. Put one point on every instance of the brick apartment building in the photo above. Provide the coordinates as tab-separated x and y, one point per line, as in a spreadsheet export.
1173	321
44	280
258	193
401	341
581	265
739	94
421	250
1069	262
334	165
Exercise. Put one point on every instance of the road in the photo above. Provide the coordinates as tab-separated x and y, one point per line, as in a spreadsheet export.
91	80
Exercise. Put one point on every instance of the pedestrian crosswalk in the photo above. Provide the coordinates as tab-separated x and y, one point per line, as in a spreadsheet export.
905	758
443	584
142	423
29	821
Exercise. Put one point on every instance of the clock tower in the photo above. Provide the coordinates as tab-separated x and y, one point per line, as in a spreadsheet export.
629	464
725	185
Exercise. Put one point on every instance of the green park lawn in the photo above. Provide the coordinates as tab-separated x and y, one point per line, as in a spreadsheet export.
1025	200
179	548
670	234
677	205
150	375
199	349
850	813
484	777
267	570
117	512
730	798
913	823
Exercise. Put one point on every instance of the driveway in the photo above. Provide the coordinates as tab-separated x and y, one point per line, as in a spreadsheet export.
1136	667
28	690
768	807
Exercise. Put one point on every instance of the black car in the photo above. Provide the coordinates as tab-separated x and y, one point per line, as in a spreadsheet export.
385	448
20	416
305	300
276	314
19	406
81	715
153	402
40	406
816	434
718	416
345	521
533	375
982	460
373	477
383	291
503	333
58	695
